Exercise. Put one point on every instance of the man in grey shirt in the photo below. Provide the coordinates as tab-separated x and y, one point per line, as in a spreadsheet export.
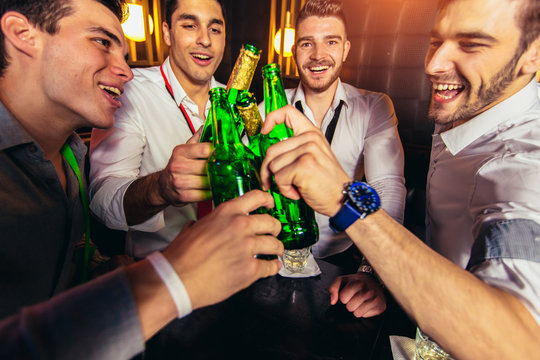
62	67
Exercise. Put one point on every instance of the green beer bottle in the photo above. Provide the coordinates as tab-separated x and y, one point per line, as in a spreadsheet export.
299	230
243	71
230	167
239	80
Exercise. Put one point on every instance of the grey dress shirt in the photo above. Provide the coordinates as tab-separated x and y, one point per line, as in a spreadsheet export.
39	226
483	194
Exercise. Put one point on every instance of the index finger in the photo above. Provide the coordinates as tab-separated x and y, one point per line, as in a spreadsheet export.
195	137
334	290
250	202
289	115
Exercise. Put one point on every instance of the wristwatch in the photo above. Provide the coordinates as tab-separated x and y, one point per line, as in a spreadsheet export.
360	200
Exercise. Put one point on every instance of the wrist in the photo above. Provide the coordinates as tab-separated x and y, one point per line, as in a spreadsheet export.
359	201
366	268
172	281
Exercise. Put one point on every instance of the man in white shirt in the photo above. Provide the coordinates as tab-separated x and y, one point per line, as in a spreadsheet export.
361	127
365	138
475	292
146	173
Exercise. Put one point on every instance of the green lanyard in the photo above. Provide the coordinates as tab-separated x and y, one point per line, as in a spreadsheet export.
70	157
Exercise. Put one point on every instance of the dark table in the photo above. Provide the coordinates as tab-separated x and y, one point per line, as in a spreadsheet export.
276	318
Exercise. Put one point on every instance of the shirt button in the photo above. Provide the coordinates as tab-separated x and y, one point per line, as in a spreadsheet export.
32	148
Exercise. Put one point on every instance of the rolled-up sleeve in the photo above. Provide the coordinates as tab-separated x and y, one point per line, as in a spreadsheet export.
384	159
115	163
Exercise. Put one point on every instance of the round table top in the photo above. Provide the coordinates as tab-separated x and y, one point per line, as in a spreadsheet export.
275	318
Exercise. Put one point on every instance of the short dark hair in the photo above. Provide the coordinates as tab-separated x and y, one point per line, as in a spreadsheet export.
171	5
527	20
322	8
45	14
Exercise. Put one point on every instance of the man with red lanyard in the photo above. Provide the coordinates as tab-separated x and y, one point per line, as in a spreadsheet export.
146	174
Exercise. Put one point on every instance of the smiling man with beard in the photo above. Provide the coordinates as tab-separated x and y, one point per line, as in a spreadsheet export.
475	288
148	172
361	127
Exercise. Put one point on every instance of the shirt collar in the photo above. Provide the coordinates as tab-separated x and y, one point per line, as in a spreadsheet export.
460	137
11	131
339	96
179	93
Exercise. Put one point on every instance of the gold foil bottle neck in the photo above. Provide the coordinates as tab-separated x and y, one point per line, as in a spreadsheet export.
243	70
252	119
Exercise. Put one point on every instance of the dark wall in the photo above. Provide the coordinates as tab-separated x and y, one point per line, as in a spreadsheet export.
248	21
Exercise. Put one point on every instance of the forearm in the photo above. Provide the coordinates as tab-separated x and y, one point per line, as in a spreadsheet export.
96	320
468	318
143	200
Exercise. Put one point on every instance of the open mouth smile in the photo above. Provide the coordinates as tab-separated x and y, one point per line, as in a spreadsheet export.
201	58
318	69
113	91
447	91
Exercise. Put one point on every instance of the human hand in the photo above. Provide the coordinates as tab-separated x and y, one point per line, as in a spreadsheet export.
360	293
303	165
185	179
215	257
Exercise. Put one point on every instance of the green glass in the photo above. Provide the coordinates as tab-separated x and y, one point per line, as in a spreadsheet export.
239	80
243	71
298	226
206	135
230	166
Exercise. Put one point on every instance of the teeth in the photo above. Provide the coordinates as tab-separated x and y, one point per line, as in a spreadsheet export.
112	90
202	57
441	87
319	68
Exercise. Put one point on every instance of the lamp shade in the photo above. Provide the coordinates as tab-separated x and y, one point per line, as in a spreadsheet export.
134	26
289	42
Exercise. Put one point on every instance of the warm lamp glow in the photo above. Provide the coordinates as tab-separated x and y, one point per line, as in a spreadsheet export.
289	42
134	27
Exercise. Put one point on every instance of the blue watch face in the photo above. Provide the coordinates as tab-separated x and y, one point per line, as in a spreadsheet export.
364	197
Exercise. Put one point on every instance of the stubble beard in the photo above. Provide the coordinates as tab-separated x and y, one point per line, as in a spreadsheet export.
320	87
485	95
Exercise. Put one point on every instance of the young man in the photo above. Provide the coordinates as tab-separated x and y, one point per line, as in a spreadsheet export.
477	294
62	67
361	127
141	179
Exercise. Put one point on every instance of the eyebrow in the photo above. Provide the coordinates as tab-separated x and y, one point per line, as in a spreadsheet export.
478	35
195	18
110	35
327	37
103	31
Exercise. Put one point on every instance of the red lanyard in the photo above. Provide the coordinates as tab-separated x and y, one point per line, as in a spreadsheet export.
181	107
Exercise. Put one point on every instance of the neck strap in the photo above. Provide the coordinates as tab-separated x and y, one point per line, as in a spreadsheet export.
181	107
72	161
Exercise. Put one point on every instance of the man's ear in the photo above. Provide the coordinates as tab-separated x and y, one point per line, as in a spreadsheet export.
531	58
18	32
346	49
166	33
